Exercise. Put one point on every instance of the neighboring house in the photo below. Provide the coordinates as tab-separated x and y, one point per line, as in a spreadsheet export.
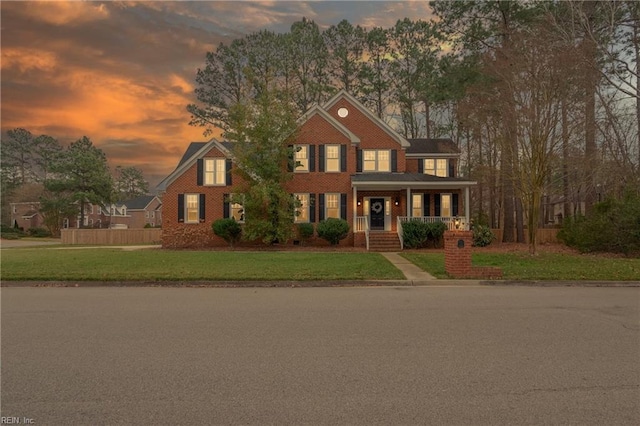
352	166
26	215
146	209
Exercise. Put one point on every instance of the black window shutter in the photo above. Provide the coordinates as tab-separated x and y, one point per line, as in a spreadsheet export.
454	201
394	160
312	208
426	210
202	208
312	158
358	160
225	206
180	207
229	166
451	168
421	165
292	159
343	206
320	207
343	158
321	158
200	172
436	202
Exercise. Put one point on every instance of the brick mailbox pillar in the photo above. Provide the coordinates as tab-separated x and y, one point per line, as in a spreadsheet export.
457	257
457	253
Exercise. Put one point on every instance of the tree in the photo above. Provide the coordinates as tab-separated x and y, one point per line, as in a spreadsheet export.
82	175
375	79
55	208
345	44
129	183
17	153
260	130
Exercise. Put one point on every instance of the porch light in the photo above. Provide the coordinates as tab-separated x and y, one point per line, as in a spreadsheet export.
456	222
359	202
397	201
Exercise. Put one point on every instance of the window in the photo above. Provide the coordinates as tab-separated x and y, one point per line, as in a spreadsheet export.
15	209
445	205
237	211
192	207
436	167
153	215
376	160
146	214
215	171
332	205
301	157
302	212
99	210
332	158
416	205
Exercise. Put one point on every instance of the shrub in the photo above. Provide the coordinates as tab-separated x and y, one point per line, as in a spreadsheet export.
482	236
436	231
305	231
39	232
415	233
333	230
227	229
9	233
612	226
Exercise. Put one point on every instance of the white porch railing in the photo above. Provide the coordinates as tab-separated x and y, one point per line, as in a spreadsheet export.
452	223
362	225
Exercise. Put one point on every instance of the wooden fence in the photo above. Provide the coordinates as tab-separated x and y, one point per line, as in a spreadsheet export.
543	235
101	237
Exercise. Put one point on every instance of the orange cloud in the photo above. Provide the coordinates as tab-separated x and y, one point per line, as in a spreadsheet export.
65	12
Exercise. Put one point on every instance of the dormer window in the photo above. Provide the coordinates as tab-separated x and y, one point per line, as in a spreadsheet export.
214	171
436	167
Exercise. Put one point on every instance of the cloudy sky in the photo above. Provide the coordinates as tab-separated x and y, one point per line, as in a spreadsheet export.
122	72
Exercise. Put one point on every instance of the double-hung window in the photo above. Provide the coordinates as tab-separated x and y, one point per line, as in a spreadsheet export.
436	167
332	158
192	208
215	171
445	205
332	205
376	160
237	211
302	210
301	157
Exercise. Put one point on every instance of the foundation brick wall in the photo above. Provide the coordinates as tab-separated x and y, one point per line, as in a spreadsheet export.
457	257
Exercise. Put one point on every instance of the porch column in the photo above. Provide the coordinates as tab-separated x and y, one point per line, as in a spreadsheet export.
355	208
467	208
408	202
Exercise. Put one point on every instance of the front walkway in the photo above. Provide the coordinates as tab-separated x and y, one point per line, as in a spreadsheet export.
410	271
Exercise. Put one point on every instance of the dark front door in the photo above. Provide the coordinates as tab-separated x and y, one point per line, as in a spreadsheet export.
376	213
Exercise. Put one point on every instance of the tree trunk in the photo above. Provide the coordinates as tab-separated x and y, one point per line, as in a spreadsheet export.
566	211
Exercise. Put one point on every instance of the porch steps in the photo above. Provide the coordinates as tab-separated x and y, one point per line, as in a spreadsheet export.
384	241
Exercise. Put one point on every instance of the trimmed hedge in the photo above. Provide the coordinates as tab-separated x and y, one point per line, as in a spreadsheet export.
418	234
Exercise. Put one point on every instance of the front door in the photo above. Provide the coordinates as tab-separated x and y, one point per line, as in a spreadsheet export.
376	213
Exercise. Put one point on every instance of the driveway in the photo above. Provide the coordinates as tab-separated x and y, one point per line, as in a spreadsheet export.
357	356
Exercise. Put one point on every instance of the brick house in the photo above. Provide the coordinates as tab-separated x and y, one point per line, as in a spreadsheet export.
142	211
26	215
352	165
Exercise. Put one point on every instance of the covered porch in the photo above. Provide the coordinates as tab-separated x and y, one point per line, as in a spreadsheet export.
382	203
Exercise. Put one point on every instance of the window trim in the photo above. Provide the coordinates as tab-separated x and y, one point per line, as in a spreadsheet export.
442	198
214	173
297	216
434	171
419	207
297	168
186	208
338	159
338	195
376	161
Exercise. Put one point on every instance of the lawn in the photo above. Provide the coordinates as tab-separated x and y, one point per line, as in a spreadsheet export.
544	266
154	264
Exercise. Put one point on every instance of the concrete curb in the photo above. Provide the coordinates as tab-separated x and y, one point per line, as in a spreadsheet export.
307	284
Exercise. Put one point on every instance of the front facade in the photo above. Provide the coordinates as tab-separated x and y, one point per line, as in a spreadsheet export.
351	165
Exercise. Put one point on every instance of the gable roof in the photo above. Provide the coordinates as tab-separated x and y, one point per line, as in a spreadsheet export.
194	151
139	203
342	94
432	146
316	110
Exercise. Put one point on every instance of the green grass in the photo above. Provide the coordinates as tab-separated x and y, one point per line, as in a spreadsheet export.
149	264
545	266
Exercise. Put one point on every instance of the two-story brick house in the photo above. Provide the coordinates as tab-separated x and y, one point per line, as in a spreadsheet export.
351	165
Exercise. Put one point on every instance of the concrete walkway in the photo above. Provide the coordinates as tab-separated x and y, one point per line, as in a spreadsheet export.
410	271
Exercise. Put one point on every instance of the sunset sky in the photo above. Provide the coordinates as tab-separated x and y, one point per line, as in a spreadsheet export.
123	72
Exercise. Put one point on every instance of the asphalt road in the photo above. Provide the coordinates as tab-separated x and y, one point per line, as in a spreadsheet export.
426	355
